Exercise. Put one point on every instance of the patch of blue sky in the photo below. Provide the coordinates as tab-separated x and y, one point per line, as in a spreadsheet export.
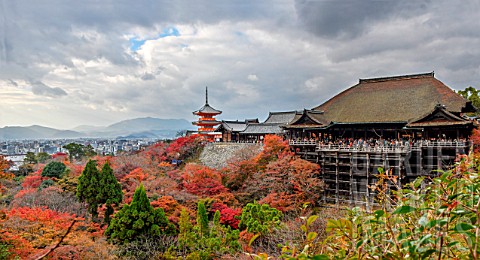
136	43
170	31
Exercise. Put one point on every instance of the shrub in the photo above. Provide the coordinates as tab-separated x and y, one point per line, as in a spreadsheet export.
258	218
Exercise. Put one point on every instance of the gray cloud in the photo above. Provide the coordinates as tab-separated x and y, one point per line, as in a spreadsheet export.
348	19
39	88
255	56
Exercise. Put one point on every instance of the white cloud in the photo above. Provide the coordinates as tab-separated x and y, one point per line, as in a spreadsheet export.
252	77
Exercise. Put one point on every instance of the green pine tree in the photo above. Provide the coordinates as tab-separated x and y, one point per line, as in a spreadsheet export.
88	187
138	218
258	218
54	169
110	191
202	219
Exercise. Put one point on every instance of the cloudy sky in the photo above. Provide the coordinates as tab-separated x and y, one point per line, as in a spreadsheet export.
69	63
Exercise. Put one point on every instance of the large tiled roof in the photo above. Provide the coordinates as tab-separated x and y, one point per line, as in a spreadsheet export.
392	99
280	117
263	128
234	126
308	118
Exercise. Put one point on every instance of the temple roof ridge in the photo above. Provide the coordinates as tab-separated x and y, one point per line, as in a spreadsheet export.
400	77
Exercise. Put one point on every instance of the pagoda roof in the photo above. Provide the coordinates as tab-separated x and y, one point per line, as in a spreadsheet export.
206	122
207	109
398	99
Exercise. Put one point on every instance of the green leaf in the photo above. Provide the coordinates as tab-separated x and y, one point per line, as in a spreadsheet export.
311	219
311	236
379	213
427	253
463	227
303	228
403	235
253	239
404	210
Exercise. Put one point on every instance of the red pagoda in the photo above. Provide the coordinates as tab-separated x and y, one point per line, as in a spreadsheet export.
207	122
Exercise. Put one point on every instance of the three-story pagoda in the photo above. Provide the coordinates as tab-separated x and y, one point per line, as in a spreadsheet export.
207	122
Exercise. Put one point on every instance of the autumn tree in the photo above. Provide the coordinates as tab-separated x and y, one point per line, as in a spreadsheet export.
138	218
202	180
274	147
5	164
110	191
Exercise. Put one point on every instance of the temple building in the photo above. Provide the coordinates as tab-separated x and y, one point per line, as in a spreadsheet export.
231	129
410	126
206	122
402	107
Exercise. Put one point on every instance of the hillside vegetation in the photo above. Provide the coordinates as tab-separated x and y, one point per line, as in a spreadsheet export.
261	205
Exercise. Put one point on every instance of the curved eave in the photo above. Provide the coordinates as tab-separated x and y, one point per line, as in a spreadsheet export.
439	123
200	113
212	123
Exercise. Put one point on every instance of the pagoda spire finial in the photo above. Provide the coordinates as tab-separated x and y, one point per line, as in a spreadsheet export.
206	95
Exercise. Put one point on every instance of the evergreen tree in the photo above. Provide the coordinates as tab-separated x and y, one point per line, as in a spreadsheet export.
54	169
186	237
88	187
258	218
138	218
202	219
110	191
30	158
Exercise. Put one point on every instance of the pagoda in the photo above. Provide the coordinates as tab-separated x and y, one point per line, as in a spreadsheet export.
207	122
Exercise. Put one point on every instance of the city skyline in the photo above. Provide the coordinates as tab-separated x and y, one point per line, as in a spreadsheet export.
66	63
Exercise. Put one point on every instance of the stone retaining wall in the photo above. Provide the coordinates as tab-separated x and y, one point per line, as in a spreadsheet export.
216	155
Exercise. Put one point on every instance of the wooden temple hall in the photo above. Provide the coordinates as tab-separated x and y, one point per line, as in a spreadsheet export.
410	125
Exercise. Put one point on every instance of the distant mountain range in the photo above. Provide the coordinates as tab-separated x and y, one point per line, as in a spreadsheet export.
147	127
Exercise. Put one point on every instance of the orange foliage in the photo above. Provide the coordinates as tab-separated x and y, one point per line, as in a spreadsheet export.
171	207
135	175
33	231
475	139
201	180
273	147
4	164
183	147
33	180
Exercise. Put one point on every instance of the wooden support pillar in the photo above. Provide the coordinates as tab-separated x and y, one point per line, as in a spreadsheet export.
352	194
400	168
324	175
336	179
367	191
